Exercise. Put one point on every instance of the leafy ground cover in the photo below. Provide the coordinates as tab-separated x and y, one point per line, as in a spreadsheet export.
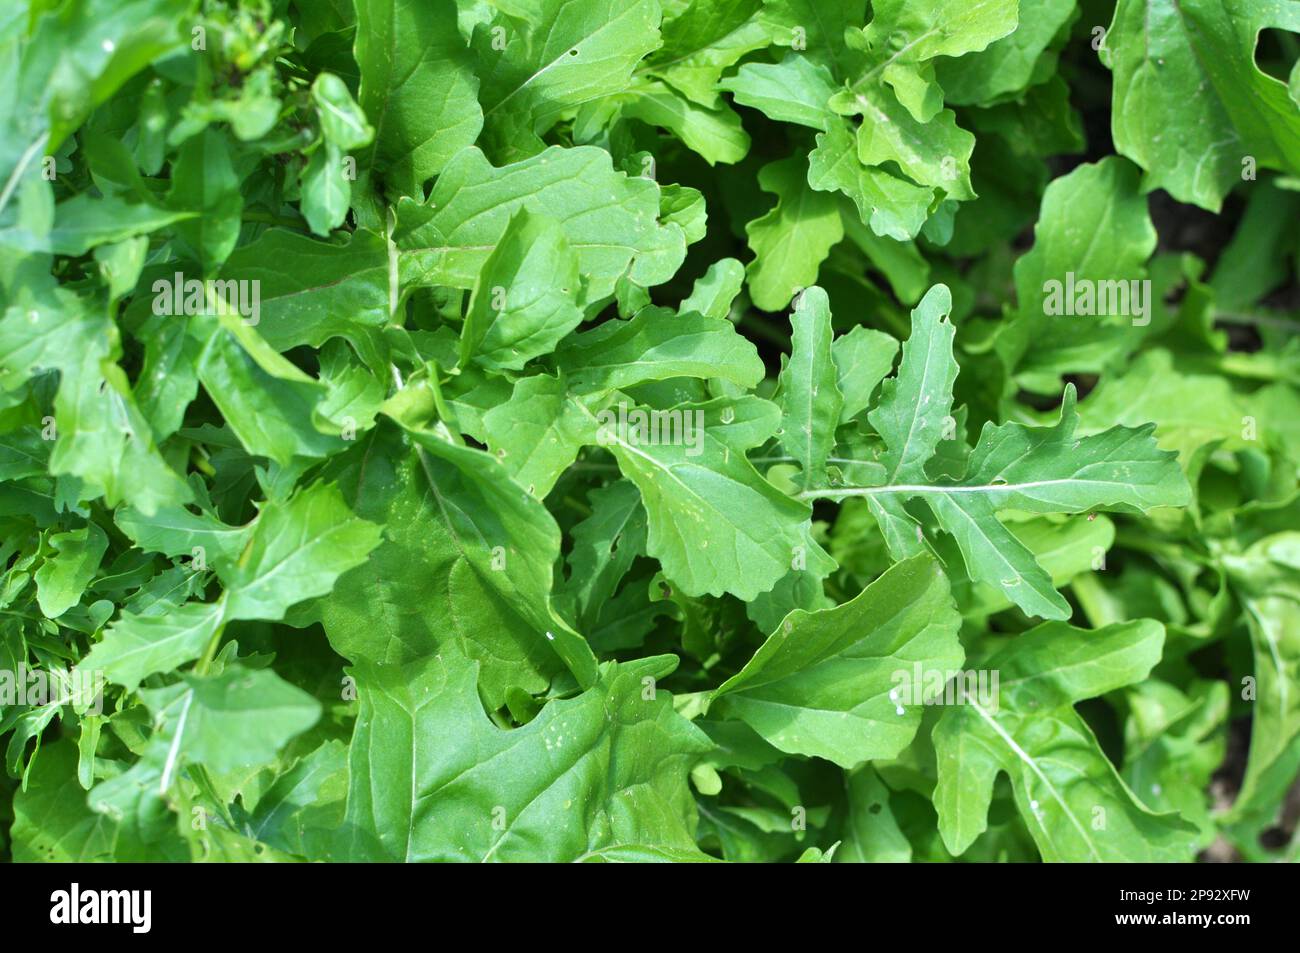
621	430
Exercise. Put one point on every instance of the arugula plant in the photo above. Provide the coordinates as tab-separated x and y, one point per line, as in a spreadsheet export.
654	430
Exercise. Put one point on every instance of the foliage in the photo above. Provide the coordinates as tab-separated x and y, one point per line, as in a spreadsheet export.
631	430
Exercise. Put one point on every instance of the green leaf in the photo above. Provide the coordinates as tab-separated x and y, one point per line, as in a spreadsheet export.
418	87
1055	329
716	134
810	400
562	56
817	28
995	557
824	684
1048	470
1069	795
935	153
137	646
66	572
658	345
714	523
178	532
1054	470
120	264
1190	411
52	822
918	31
715	292
466	561
537	434
101	436
604	546
310	291
1068	549
893	87
702	39
1266	578
525	299
1189	103
296	550
1035	469
239	718
863	358
609	219
326	191
792	240
892	206
305	805
268	402
82	222
342	122
915	403
206	185
1009	64
873	835
365	334
75	63
793	90
604	770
